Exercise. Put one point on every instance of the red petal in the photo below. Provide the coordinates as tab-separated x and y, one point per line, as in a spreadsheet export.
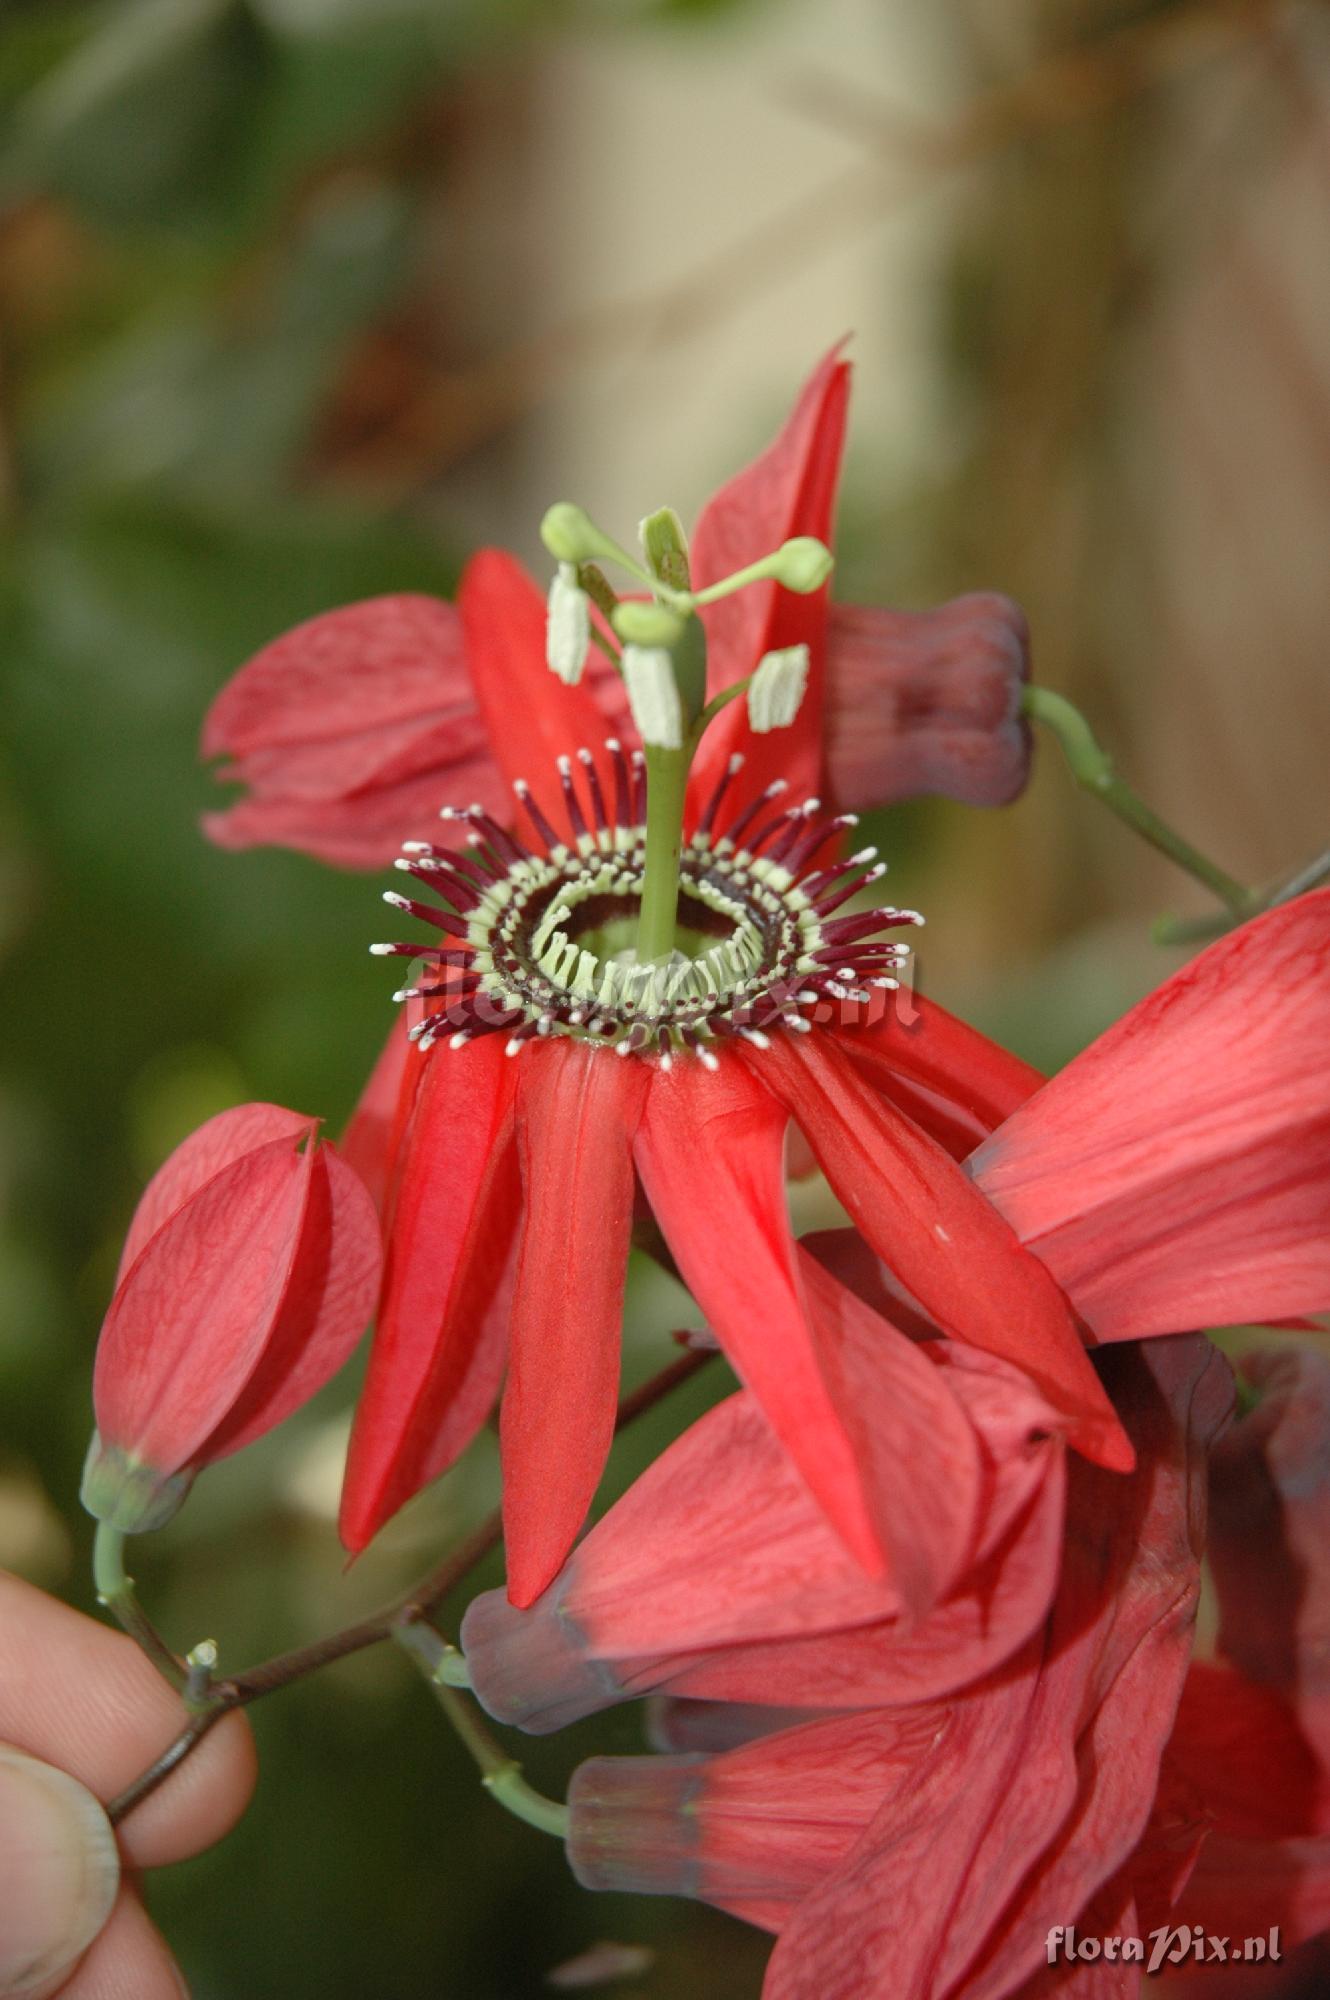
919	1212
455	1215
1244	1888
577	1112
790	490
728	1231
377	758
190	1319
216	1144
913	1441
328	1304
366	829
918	1042
379	1123
386	660
844	1253
532	717
1178	1172
992	1612
1238	1750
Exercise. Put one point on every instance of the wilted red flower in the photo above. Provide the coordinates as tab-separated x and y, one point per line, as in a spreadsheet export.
928	701
352	730
717	1577
529	1167
249	1272
928	1849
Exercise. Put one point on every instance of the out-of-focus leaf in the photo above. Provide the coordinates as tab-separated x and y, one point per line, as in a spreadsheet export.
226	408
134	124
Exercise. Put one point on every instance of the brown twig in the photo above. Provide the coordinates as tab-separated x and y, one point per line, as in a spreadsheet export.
423	1598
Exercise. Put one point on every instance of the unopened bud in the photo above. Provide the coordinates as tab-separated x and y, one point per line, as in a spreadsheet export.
777	688
567	626
647	624
569	533
653	696
803	564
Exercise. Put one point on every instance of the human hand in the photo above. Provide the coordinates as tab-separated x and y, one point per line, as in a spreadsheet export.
81	1714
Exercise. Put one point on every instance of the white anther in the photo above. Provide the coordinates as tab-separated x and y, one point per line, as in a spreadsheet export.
567	625
709	1061
416	847
398	902
653	696
407	993
756	1037
777	688
382	950
458	1040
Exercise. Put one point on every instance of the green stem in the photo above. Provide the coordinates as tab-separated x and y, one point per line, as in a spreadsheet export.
718	702
1092	768
667	781
500	1774
1311	877
239	1690
115	1589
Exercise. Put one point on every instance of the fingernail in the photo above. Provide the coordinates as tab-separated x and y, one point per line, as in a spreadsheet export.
60	1869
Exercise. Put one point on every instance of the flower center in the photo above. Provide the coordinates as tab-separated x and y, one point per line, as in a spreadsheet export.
541	939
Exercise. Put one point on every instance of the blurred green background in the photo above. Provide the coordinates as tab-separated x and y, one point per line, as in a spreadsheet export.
301	300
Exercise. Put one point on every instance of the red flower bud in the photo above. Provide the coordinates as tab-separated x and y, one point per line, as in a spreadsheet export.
752	1830
250	1270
